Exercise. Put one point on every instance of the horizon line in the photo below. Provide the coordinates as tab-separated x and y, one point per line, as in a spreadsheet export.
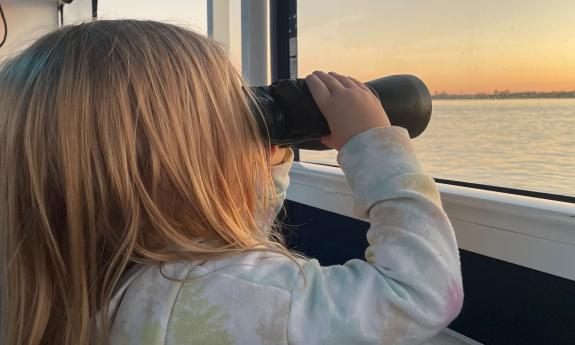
500	92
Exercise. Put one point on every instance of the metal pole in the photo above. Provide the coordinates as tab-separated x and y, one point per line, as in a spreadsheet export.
219	21
255	41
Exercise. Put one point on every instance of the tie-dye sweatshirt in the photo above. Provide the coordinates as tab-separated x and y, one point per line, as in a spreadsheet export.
407	289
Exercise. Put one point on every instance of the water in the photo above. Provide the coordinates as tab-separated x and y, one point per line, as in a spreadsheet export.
517	143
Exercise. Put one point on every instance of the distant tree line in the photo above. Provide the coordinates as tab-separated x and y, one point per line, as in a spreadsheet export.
506	94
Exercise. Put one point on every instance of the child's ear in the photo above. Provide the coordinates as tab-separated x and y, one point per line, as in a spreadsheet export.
276	154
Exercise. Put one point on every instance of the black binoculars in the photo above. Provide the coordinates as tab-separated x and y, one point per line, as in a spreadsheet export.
290	116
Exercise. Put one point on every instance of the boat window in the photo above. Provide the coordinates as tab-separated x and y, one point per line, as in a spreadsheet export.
502	75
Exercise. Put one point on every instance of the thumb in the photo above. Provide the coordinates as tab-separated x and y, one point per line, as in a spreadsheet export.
326	140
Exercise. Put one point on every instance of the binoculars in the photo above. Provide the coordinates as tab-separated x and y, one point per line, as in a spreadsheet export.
290	116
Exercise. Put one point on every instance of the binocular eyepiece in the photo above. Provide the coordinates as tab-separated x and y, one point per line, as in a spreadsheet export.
290	116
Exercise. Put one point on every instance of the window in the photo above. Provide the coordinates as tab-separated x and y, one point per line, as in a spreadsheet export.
502	75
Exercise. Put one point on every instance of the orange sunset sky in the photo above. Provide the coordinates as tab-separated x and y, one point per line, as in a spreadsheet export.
455	46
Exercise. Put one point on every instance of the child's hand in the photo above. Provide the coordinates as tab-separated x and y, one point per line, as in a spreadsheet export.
348	106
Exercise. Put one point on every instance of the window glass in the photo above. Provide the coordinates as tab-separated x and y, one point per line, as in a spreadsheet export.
502	74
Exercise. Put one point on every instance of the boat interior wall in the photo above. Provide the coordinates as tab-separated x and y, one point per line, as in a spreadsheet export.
77	11
26	21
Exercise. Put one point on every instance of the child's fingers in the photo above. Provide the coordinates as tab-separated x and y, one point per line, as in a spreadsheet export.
332	84
345	81
359	83
326	140
317	88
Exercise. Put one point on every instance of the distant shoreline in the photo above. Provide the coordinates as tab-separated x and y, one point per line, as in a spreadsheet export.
507	95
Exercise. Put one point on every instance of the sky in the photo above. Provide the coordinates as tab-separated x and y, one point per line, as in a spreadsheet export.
464	46
454	46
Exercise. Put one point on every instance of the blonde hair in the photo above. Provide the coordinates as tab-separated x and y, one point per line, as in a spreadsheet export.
120	141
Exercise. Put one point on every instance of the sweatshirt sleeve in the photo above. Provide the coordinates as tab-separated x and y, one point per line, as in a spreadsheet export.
409	286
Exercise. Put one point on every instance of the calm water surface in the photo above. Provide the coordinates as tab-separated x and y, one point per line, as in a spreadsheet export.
517	143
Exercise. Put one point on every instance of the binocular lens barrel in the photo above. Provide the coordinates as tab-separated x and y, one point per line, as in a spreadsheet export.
291	117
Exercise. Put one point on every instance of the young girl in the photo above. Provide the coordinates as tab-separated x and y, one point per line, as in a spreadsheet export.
137	202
